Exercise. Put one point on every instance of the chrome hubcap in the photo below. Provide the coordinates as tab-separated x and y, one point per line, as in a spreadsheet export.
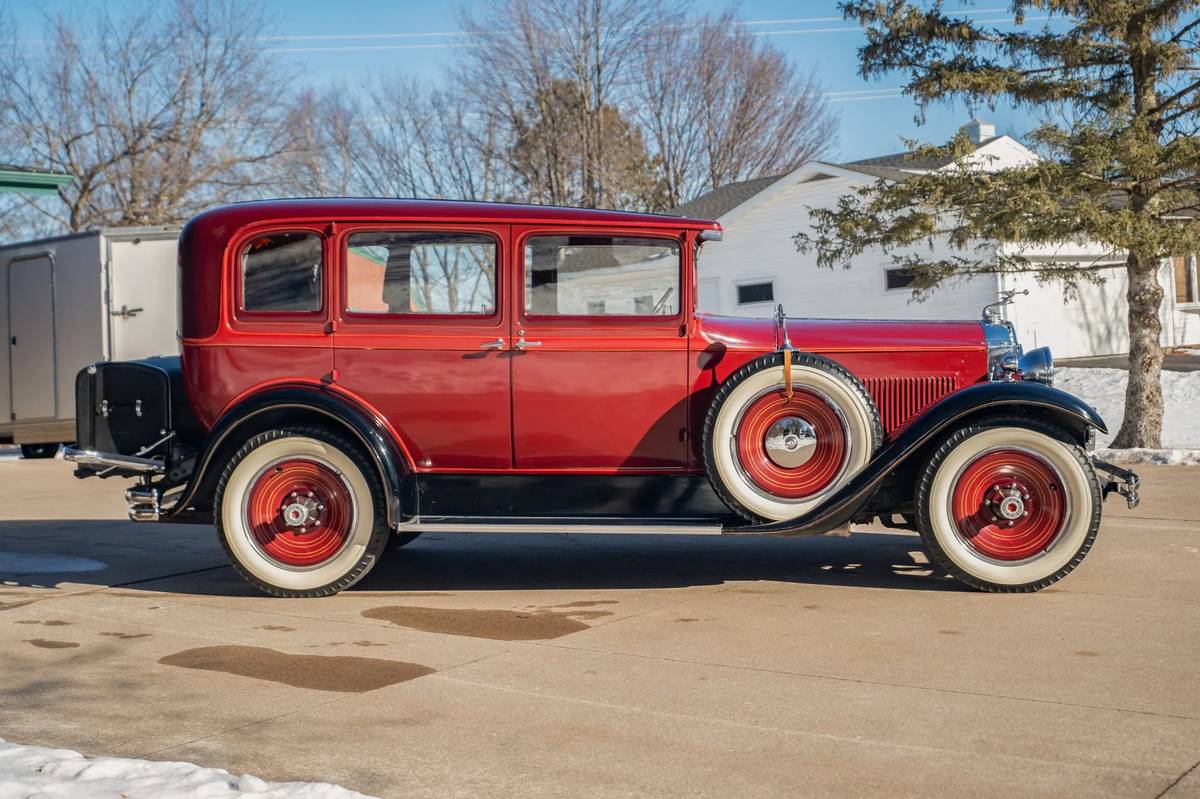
790	442
301	511
1007	503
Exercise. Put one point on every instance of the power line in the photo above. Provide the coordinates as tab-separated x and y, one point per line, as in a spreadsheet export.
745	22
854	92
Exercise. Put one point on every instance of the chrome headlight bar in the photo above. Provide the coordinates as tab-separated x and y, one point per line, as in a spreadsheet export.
1007	360
1003	349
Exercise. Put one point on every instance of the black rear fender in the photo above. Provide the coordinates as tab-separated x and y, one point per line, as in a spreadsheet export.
293	405
904	452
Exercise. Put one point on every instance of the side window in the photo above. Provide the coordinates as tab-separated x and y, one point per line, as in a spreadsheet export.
601	276
282	272
409	272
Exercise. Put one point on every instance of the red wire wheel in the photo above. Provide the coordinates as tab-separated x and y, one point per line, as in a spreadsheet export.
1009	505
822	467
300	512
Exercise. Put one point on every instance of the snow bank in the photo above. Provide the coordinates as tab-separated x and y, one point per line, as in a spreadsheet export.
1104	389
53	773
1162	457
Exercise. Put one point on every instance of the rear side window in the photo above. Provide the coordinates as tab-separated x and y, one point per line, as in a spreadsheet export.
426	272
592	275
281	273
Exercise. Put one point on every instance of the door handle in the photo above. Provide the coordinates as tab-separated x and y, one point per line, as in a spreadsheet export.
522	344
126	312
498	344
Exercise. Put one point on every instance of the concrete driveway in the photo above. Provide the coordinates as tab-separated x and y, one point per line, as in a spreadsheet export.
608	666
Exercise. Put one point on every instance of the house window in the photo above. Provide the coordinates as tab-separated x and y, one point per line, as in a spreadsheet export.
1186	289
281	273
749	293
898	278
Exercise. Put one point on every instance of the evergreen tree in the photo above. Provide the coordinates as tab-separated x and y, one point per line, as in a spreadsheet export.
1118	89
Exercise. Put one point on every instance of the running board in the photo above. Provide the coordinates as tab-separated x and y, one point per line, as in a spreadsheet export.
589	525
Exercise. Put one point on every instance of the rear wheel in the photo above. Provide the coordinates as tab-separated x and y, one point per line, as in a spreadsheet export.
300	512
1009	506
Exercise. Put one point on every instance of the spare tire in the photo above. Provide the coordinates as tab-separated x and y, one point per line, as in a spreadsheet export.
772	457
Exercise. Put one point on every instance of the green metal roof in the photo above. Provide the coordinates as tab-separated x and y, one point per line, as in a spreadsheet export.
24	180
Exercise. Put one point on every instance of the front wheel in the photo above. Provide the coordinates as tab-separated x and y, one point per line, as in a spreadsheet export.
1010	505
300	512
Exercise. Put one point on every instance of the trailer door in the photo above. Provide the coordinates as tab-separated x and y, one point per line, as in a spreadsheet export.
31	338
142	305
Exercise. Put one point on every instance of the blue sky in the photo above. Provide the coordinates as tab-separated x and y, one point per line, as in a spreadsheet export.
347	42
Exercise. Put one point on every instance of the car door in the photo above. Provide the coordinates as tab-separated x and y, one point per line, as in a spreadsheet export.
599	364
423	338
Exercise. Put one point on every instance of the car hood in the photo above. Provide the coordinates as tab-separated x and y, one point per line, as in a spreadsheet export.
842	335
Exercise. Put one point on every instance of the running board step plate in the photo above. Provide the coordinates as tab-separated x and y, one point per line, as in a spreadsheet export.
589	525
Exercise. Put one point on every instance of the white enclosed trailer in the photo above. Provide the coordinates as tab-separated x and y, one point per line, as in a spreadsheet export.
69	301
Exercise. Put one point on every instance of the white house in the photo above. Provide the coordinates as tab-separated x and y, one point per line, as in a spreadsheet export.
757	265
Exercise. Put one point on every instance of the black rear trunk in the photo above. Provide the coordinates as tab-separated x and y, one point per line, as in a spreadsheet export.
130	407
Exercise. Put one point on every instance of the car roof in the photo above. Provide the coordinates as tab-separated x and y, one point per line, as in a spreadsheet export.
237	215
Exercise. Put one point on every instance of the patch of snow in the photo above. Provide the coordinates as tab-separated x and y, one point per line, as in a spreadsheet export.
38	563
1162	457
1104	390
27	771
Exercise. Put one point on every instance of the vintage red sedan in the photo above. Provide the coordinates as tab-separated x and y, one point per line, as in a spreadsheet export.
357	372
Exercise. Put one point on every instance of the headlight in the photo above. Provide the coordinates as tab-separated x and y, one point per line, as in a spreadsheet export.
1037	365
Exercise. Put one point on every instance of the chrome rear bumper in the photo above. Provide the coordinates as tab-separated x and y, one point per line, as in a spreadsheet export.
89	457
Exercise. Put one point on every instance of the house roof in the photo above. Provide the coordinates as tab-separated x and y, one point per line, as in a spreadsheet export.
888	172
893	166
903	160
720	201
27	180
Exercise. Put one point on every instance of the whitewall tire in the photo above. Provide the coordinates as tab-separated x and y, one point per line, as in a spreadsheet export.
772	456
300	512
1010	505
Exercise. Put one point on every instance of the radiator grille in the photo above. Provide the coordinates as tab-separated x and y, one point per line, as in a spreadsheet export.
900	399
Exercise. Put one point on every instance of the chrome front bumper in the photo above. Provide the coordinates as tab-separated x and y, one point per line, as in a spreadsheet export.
1123	481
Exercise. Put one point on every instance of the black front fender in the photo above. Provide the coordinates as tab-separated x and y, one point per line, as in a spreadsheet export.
976	401
341	411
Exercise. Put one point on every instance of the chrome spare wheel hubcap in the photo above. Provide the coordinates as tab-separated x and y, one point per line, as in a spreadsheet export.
790	442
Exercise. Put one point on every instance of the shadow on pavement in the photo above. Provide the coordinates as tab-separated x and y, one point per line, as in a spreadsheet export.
187	559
